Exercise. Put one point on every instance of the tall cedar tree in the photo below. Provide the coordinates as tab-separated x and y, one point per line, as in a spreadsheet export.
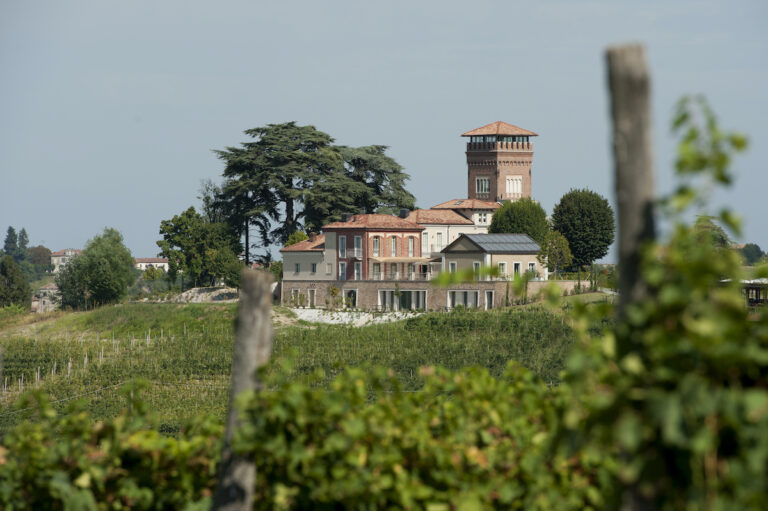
586	220
291	177
521	217
14	289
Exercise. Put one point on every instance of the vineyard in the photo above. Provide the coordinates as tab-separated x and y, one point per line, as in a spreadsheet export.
184	354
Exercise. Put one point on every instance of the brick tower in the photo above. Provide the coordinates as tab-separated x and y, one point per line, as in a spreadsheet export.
499	158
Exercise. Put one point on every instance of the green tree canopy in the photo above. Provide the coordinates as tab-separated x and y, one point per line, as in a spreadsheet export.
11	245
39	256
203	250
296	237
524	216
586	220
14	289
707	230
101	274
23	242
291	177
555	252
752	253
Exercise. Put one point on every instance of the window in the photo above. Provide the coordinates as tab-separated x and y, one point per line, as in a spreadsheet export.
476	267
424	244
411	271
452	266
358	271
483	185
342	271
314	268
411	243
489	299
358	246
328	268
298	268
502	269
532	268
468	299
394	247
376	271
393	268
439	241
517	268
376	247
343	247
515	186
482	218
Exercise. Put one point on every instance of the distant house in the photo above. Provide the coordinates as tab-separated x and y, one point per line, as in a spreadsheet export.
512	254
142	263
62	257
46	298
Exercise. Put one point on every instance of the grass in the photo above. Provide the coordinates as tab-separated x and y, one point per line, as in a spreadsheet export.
184	353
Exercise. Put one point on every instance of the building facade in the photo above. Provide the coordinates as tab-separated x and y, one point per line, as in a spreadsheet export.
143	263
499	160
62	257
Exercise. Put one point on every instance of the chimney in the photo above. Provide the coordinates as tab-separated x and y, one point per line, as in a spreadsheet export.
404	212
312	236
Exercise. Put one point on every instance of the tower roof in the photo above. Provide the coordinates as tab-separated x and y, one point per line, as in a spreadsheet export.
499	128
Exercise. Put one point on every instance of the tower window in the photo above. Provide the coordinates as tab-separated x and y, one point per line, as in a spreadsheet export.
483	185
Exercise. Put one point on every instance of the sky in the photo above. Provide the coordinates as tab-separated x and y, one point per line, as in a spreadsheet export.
110	111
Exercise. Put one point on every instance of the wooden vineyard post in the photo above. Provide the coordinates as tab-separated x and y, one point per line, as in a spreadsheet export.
629	85
253	347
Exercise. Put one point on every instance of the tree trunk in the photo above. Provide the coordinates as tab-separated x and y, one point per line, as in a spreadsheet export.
247	246
253	347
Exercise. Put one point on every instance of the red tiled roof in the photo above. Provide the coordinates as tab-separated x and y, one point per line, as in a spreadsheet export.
318	244
438	216
375	221
467	204
137	260
63	252
499	128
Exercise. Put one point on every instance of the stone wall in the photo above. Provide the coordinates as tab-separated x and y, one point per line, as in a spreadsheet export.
367	291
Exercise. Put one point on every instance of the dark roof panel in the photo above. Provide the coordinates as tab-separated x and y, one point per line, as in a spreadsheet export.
504	243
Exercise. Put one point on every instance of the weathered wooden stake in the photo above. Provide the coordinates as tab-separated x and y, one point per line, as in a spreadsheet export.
253	347
629	85
633	158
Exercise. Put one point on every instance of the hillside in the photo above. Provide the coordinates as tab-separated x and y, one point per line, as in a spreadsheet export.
183	352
